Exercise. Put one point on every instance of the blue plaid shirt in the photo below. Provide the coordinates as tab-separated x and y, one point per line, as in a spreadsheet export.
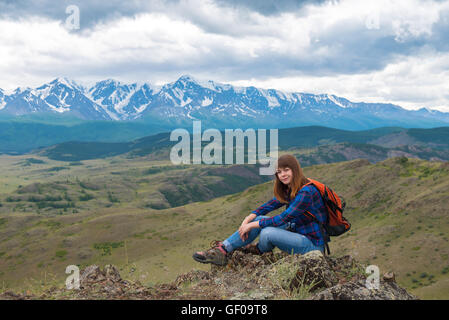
307	199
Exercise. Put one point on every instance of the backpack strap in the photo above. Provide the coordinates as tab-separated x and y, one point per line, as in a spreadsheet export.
320	224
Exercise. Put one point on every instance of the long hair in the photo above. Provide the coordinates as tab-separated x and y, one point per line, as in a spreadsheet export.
281	191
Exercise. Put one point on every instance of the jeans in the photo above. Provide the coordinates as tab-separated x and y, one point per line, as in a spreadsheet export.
271	237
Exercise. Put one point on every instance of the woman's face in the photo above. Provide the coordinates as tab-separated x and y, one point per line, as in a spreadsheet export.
285	175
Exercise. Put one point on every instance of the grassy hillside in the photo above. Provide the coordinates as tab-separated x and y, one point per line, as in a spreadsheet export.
46	187
397	207
350	151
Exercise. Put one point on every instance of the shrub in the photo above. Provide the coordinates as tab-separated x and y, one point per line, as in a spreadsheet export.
107	247
86	197
61	254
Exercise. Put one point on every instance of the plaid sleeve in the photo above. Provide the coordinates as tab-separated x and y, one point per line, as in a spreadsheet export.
299	205
268	206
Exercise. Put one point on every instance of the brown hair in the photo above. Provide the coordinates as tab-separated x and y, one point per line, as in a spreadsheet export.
281	191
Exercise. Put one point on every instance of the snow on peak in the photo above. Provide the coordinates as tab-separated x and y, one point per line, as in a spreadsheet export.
270	96
2	100
108	82
66	82
334	100
206	102
186	77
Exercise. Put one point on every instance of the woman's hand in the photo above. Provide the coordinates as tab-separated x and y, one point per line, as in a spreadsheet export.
246	228
245	221
248	219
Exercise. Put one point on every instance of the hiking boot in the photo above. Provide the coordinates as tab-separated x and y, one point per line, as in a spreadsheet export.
216	254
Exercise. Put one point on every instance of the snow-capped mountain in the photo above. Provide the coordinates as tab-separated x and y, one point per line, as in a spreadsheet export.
2	99
61	95
112	96
222	105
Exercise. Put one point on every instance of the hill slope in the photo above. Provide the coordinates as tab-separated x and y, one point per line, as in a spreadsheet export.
398	210
377	144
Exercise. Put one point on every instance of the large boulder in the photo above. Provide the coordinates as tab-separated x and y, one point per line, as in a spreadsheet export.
313	271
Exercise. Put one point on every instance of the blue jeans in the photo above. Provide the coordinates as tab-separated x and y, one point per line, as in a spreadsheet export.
271	237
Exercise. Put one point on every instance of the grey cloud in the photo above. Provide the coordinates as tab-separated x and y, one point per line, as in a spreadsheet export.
440	33
91	12
95	11
270	7
352	47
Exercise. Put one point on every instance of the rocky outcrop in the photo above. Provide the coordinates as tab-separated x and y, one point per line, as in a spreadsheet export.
358	291
248	275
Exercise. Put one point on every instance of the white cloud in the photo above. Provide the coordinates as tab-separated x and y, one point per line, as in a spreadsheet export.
413	83
364	51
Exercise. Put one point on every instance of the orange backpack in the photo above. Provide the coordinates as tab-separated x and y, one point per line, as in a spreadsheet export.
335	224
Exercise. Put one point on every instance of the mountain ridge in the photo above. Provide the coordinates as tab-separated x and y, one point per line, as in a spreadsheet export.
223	105
315	142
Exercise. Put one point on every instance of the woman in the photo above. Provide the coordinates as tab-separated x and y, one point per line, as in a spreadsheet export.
292	231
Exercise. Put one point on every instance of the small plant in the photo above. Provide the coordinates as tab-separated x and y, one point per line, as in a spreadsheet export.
112	198
61	254
86	197
107	247
423	275
445	270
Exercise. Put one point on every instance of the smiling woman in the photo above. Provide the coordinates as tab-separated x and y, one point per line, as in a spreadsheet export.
292	231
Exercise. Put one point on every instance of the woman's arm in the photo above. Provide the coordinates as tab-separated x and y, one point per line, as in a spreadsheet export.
248	224
268	206
249	218
299	205
246	221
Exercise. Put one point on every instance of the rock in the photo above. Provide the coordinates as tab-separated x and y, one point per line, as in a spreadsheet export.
193	276
11	295
112	273
314	272
389	277
246	259
260	295
358	291
248	275
91	274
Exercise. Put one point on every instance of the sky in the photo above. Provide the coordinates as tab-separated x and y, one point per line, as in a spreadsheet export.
371	51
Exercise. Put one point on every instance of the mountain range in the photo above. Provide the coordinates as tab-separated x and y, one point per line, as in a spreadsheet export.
219	105
311	145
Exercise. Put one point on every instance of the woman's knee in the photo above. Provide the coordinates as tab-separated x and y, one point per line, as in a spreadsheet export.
266	233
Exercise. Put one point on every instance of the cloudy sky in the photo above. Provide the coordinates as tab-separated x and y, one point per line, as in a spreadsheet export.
372	51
